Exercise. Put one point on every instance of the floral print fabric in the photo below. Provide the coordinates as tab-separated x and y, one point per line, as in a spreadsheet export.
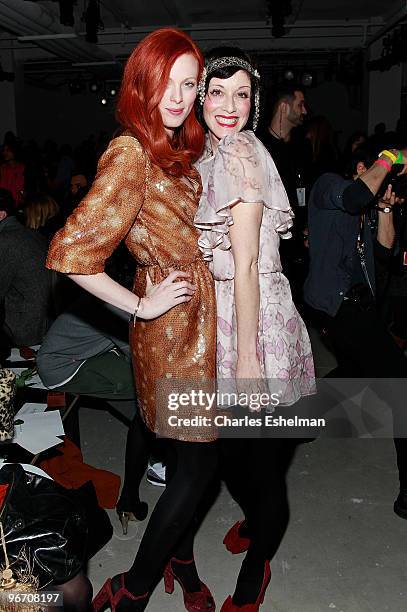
243	171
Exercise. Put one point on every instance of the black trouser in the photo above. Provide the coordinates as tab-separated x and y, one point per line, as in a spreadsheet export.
364	348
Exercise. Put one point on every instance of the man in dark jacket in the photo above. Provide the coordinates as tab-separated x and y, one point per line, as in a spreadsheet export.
25	283
341	284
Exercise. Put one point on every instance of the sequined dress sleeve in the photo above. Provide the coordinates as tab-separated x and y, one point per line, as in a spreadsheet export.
106	214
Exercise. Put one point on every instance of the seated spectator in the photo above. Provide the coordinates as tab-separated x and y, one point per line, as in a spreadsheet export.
25	282
87	351
12	172
78	182
79	187
61	181
41	213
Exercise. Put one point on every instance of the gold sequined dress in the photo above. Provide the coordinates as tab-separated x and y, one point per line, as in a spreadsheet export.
133	200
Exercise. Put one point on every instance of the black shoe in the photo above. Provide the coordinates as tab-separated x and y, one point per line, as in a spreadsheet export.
400	505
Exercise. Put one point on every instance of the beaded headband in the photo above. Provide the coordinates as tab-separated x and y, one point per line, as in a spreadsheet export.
224	62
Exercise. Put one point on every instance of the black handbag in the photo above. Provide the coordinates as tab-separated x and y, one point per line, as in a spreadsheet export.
43	522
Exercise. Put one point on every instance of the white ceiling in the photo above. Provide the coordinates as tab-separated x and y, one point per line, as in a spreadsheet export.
315	26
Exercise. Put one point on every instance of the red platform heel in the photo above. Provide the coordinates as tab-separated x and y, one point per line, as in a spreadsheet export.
234	542
198	601
229	606
107	596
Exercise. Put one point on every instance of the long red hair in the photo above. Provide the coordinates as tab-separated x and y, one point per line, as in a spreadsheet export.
144	81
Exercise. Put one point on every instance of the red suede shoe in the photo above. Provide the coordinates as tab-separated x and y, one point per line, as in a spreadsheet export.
119	600
198	601
229	606
234	542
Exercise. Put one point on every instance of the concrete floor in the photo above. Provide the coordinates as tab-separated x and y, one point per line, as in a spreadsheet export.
344	550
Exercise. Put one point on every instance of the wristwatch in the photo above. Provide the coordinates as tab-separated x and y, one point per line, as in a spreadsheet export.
385	209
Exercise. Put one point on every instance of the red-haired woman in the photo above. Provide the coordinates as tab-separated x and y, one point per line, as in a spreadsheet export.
146	192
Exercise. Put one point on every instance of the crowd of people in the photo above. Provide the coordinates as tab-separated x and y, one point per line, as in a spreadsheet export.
241	220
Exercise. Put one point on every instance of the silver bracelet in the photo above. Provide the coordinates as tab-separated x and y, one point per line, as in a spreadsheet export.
133	317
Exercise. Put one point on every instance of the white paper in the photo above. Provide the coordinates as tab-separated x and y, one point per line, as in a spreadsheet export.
33	469
39	431
16	356
30	408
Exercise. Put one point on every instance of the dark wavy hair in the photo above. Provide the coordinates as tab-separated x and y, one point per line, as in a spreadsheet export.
225	73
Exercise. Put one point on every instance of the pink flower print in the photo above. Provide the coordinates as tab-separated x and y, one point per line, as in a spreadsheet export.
283	374
228	367
280	319
220	351
291	325
309	366
293	373
267	321
224	326
298	347
270	349
279	349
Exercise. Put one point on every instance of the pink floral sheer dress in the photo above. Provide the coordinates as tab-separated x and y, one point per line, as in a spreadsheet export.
242	170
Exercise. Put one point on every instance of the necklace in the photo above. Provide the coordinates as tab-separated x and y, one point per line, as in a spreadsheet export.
275	133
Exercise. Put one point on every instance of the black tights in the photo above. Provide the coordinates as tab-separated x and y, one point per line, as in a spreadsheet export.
171	528
77	594
139	444
254	471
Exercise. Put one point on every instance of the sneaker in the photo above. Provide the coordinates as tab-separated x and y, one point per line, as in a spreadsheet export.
400	505
156	474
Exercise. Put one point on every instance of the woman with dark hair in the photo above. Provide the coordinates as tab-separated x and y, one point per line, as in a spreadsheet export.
146	192
262	342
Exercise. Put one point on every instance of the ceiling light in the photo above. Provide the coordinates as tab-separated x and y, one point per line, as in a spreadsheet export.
94	86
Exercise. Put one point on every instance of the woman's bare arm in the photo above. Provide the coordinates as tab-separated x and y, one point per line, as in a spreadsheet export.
245	239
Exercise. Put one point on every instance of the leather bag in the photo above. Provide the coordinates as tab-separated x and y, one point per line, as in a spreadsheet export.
46	522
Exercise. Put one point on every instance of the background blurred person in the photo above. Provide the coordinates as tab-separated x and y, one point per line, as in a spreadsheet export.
12	172
41	213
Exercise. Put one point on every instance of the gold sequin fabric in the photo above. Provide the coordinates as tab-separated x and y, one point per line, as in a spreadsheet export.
135	201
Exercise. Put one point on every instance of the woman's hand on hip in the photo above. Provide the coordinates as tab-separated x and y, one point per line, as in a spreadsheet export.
173	290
